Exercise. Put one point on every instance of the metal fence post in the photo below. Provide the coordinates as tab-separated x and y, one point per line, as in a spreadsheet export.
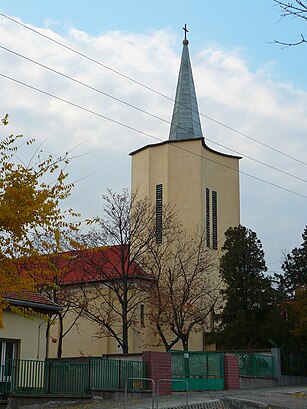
119	373
173	380
141	379
89	373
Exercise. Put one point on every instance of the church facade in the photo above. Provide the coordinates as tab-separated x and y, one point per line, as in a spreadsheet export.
203	186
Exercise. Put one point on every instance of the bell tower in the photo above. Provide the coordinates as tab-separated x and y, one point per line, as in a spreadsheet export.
202	183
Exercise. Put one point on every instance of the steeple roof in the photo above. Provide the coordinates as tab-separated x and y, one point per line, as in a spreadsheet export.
185	119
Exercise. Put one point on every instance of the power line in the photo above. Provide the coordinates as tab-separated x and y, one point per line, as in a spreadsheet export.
149	135
79	106
146	112
149	88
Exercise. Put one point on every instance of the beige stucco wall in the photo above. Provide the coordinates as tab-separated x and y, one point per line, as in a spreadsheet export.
81	340
84	339
30	335
186	169
221	173
184	176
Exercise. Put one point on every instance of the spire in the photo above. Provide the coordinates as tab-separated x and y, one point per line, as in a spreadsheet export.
185	119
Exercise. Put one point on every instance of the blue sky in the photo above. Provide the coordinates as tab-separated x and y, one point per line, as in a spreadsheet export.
250	25
242	80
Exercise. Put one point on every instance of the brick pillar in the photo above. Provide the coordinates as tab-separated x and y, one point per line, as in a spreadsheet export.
231	372
159	367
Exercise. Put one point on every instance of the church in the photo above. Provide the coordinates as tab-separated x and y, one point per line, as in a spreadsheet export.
183	171
202	183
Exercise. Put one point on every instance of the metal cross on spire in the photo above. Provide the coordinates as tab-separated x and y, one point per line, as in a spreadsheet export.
185	122
185	31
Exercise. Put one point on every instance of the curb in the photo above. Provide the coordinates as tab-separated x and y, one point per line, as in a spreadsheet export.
216	404
239	403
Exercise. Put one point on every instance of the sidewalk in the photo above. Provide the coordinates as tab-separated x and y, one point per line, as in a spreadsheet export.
273	398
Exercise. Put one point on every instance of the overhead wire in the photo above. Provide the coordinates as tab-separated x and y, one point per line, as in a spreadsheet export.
149	135
161	94
149	88
146	112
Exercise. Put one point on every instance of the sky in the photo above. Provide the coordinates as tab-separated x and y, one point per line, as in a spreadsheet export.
122	58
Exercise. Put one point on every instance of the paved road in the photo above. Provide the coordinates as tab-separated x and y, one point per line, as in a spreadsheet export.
273	398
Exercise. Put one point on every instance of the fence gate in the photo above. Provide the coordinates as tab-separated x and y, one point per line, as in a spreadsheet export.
202	370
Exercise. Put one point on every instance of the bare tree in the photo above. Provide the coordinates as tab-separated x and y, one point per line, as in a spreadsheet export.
184	288
297	9
113	286
50	269
128	262
65	296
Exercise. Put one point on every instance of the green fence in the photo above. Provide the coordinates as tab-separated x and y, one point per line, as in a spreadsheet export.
22	376
66	377
256	365
4	379
112	374
293	363
69	376
202	370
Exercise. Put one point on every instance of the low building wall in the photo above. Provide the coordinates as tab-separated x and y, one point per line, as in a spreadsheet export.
256	382
130	357
18	401
3	404
288	380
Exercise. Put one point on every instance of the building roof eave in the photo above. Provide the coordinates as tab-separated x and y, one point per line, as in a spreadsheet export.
202	139
23	303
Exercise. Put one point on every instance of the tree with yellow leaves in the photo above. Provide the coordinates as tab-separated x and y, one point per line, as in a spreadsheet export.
30	195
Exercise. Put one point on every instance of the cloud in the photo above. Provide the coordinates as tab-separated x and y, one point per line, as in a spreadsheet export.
251	102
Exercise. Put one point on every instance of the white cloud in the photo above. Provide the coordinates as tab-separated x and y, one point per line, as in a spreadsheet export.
228	91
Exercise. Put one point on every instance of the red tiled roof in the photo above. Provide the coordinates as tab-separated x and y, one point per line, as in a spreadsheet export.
84	266
98	264
26	296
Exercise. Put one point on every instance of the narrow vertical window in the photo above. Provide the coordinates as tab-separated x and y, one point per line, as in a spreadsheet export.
142	315
214	220
212	318
207	217
159	213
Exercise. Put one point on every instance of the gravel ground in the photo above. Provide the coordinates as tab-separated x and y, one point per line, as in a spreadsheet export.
272	398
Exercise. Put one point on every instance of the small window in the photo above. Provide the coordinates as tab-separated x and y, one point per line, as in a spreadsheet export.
159	191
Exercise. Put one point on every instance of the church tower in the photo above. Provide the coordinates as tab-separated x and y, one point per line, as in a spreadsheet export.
202	183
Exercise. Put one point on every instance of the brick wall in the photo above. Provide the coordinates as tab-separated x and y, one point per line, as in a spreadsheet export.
159	367
231	372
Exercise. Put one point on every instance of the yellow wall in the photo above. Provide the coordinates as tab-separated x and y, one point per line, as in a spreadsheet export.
82	339
185	177
29	333
186	169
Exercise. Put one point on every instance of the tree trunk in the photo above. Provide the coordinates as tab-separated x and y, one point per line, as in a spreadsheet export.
47	340
60	344
185	342
125	321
